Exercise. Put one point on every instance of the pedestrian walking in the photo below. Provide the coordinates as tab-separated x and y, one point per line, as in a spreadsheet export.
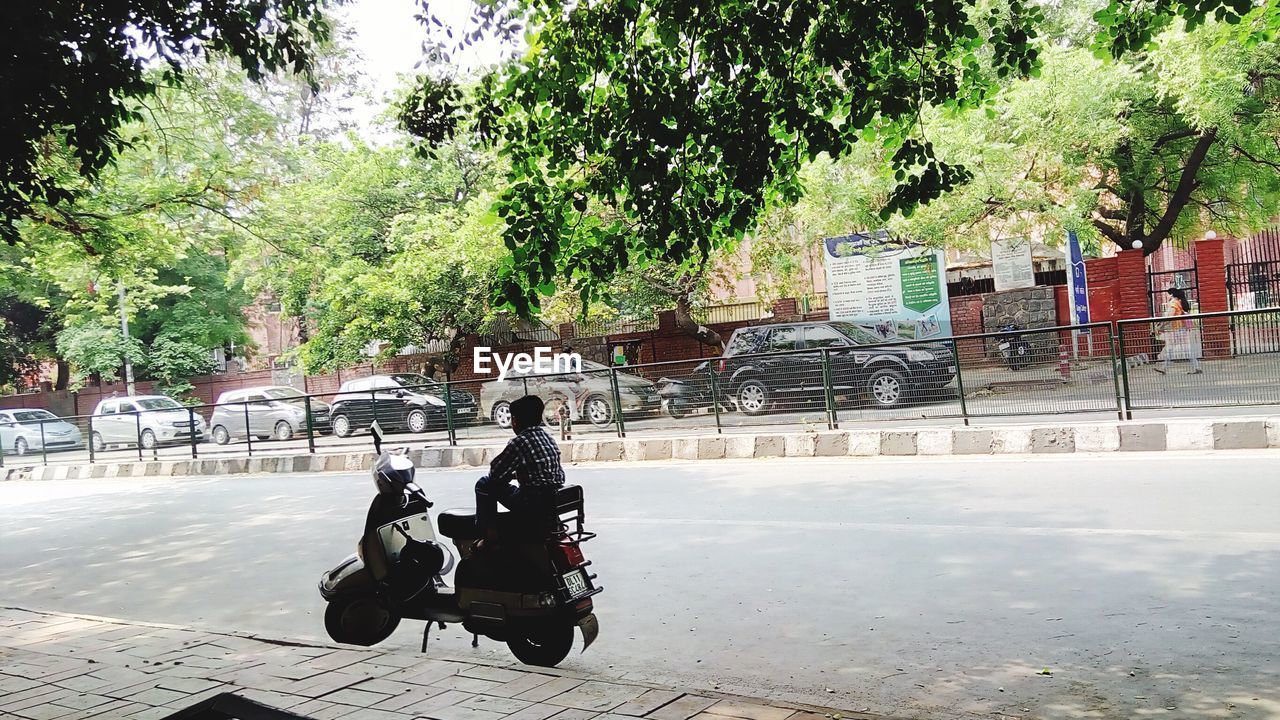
566	421
1179	334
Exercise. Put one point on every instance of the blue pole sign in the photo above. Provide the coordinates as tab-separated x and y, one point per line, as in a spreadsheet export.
1077	281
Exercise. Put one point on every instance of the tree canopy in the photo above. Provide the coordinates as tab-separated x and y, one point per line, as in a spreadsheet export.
73	73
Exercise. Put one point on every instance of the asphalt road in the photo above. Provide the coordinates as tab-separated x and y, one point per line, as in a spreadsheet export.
924	587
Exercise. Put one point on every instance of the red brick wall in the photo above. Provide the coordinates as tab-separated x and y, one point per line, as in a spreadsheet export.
1211	278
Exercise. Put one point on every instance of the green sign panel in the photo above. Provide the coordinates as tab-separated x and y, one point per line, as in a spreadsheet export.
920	289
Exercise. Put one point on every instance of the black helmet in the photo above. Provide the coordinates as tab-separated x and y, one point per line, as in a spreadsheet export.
392	473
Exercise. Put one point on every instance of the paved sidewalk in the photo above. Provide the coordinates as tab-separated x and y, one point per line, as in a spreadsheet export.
64	667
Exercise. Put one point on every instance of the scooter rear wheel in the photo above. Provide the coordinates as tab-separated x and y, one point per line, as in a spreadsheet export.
544	645
359	620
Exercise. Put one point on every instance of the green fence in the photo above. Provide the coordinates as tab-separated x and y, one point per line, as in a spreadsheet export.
826	380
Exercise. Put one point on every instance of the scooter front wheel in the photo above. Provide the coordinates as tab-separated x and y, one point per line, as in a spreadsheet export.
544	645
359	620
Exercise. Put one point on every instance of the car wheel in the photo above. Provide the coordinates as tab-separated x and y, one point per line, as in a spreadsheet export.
341	425
97	442
20	446
502	414
598	410
148	440
220	435
416	421
753	397
887	388
284	431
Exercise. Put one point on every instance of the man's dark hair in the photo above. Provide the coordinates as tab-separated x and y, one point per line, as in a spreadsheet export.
527	411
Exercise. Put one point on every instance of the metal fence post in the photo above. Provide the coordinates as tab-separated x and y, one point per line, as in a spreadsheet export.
715	395
2	455
248	433
137	422
44	448
311	434
90	440
373	405
1115	377
833	422
617	403
964	408
1124	375
448	414
191	416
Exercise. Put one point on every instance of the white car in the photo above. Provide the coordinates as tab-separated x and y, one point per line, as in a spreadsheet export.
25	431
146	420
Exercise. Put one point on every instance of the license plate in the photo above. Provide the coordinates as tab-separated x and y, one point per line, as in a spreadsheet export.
951	368
465	411
576	583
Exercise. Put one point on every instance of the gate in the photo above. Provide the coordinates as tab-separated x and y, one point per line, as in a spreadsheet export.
1158	282
1253	282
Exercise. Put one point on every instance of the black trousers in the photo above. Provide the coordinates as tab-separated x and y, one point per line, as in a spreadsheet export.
512	497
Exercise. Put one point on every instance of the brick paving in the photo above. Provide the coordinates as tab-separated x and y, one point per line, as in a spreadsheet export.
64	667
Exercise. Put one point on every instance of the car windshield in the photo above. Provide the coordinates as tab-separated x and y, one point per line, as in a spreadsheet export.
158	404
283	394
856	334
413	380
33	417
743	342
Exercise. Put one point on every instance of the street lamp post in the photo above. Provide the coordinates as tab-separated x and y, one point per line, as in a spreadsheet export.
124	331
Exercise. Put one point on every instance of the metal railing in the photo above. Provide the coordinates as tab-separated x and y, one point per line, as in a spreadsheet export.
1194	361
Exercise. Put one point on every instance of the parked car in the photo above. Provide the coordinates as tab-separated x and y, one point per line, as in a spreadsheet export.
402	402
588	393
148	420
25	431
278	412
753	378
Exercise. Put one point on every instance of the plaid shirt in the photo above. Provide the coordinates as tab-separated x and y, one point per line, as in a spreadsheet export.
532	458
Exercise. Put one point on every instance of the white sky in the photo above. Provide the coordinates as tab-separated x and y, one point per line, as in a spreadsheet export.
389	40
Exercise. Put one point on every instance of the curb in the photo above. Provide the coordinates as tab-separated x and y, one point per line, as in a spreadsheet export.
1254	433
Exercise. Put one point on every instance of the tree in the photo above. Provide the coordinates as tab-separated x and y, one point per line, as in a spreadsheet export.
1157	146
74	74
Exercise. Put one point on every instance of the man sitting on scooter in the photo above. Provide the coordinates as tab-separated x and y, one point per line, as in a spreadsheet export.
532	459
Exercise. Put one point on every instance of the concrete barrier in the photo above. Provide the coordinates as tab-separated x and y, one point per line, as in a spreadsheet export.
1173	435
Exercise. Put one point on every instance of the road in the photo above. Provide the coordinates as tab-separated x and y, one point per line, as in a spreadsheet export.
935	588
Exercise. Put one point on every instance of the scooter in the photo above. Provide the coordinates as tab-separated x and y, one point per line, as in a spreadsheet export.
530	589
1016	351
682	397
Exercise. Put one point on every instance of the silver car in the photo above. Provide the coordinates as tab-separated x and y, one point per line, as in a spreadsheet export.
147	420
278	412
25	431
588	394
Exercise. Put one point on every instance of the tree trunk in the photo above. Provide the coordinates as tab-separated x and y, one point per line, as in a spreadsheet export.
686	325
64	375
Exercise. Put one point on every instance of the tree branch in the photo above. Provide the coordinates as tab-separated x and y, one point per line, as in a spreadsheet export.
1111	233
1187	184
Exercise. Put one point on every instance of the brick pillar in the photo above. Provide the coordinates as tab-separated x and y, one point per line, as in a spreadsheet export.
568	331
1211	281
784	308
1133	301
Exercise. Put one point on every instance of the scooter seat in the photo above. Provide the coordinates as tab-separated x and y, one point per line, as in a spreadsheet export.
461	525
458	525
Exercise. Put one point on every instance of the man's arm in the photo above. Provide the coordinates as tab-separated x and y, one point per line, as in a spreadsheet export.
502	469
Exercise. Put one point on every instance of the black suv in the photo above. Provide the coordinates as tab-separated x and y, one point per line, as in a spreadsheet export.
399	403
760	366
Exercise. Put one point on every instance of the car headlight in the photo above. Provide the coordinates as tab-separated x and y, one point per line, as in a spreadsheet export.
919	356
433	400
